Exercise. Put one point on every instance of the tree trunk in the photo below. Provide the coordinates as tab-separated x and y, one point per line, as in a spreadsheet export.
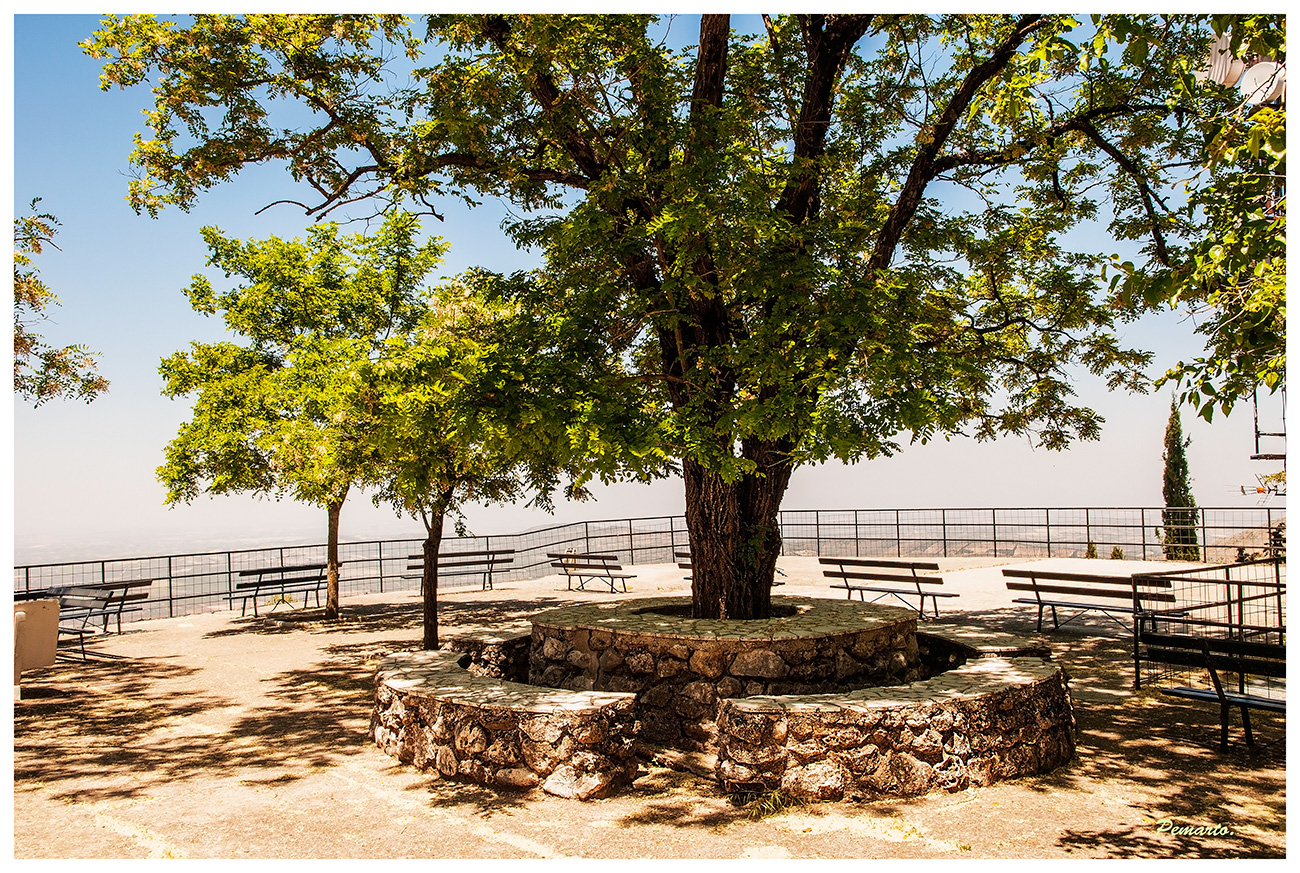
735	537
429	577
332	561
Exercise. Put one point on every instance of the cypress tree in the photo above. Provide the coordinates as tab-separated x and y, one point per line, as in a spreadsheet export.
1179	514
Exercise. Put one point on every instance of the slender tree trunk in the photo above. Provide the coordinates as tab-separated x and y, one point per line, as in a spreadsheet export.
735	537
429	578
332	559
433	524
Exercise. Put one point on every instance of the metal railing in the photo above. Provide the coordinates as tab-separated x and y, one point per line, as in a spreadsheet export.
204	582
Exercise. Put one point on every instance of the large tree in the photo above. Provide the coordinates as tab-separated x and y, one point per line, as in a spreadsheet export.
275	415
1231	274
818	240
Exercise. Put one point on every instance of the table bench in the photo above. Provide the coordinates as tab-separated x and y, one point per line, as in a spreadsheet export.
467	563
1110	595
1244	658
894	578
82	606
590	566
301	579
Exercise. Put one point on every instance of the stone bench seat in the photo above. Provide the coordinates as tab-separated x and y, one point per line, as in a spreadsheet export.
989	719
431	712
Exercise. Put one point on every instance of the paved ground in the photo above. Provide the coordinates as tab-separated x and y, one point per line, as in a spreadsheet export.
215	736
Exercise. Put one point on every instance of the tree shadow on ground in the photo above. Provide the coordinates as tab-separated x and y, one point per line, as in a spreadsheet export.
1164	748
453	617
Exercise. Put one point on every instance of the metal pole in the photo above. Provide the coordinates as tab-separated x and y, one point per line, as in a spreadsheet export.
1205	542
943	516
381	566
586	535
1087	525
817	529
995	531
631	548
857	537
1143	521
1047	522
171	603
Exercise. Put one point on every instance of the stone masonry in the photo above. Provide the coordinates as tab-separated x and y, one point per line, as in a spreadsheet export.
990	719
431	712
680	668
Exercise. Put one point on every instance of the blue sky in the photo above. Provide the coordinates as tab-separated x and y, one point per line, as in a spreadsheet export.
83	481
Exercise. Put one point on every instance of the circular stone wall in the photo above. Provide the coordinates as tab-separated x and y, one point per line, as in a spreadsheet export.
680	667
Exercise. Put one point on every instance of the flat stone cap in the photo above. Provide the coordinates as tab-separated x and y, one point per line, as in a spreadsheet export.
972	680
439	675
809	617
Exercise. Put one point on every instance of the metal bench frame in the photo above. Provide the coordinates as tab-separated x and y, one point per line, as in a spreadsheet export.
1243	657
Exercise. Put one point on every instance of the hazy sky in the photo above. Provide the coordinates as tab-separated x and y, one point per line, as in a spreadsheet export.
83	475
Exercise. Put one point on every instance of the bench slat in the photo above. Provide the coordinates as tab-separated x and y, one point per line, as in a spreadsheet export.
880	562
1153	596
883	577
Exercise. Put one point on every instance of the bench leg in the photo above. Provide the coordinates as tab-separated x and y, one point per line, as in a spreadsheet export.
1223	727
1245	720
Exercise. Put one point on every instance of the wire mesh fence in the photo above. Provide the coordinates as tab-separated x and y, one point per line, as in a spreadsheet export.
204	582
1243	602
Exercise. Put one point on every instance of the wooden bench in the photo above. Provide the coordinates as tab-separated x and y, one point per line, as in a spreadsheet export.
901	579
590	566
1245	658
467	564
1110	595
301	579
81	607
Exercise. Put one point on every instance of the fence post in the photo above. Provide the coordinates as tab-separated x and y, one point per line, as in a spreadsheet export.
381	566
943	520
1143	522
1205	540
857	537
1087	526
898	535
995	531
171	601
1047	525
230	583
586	535
817	530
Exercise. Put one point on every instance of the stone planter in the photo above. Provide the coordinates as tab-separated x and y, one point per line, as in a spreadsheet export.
430	712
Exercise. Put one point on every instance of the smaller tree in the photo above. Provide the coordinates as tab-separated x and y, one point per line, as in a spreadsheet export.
1179	514
43	372
274	416
435	444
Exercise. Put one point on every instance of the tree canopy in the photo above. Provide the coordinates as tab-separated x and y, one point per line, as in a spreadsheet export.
821	239
43	372
1231	274
273	416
